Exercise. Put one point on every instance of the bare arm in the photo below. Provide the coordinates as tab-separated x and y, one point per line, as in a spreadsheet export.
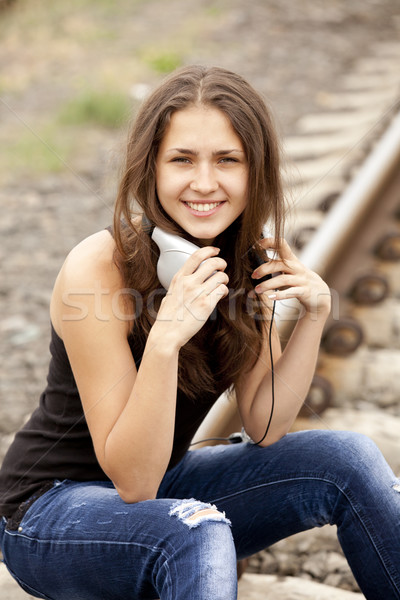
130	413
294	368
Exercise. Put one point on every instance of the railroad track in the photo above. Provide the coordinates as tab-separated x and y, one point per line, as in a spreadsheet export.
357	250
342	174
344	177
345	181
346	226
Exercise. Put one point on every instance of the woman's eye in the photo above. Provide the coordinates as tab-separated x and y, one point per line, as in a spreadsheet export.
228	159
180	159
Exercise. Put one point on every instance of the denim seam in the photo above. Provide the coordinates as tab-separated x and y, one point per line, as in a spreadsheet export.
83	542
366	526
170	578
370	531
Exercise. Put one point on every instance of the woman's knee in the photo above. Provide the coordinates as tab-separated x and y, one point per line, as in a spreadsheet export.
205	548
346	448
204	529
351	459
193	512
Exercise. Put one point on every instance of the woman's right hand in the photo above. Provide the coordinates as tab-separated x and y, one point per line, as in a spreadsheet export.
193	294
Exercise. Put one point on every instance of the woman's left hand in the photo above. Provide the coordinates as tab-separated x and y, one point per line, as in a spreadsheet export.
291	279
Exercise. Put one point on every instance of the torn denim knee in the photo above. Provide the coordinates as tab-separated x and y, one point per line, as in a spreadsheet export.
396	486
193	512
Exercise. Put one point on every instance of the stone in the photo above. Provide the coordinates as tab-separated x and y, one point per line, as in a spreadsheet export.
323	563
270	587
380	323
369	375
314	554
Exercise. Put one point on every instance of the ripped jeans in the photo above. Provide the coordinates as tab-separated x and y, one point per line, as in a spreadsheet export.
81	541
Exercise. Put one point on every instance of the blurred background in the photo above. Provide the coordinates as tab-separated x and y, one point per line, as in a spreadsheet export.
73	73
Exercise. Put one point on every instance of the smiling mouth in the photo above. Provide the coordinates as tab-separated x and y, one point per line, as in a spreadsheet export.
203	206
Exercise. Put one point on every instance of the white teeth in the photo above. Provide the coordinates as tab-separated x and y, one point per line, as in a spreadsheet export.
203	207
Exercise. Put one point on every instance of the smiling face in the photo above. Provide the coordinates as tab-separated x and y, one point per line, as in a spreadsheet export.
202	172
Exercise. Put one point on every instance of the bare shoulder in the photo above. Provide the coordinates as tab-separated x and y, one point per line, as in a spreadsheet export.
92	256
88	275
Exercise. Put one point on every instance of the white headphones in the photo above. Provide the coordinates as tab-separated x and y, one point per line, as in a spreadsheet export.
174	252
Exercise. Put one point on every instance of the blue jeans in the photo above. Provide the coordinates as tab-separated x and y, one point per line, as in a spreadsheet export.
81	541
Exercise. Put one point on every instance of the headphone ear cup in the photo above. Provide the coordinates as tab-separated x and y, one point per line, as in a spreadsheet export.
174	252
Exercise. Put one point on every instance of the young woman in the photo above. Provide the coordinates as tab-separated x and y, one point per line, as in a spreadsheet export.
100	495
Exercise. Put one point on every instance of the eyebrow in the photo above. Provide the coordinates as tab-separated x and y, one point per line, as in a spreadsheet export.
195	153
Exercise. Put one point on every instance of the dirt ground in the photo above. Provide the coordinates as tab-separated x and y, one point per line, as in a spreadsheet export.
57	181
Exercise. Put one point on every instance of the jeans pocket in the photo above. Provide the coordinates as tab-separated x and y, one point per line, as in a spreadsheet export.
14	521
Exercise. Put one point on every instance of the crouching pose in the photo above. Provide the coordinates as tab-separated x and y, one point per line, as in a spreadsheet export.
101	496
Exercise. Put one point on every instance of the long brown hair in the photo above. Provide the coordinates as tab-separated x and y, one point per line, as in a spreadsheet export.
230	341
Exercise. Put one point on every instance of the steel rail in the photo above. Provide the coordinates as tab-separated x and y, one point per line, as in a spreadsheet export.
348	211
323	250
340	225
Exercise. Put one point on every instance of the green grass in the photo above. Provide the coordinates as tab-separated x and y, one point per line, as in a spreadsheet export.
163	61
39	11
92	107
54	144
42	151
213	11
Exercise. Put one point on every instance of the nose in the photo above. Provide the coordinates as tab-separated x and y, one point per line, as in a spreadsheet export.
204	180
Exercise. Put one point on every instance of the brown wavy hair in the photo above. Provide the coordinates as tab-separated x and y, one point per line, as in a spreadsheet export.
231	339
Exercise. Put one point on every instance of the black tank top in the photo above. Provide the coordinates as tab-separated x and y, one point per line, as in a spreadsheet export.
55	443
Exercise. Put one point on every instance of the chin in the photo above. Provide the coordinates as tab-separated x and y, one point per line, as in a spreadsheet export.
206	234
204	240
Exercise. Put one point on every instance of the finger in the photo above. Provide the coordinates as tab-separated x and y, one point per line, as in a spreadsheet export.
217	294
195	259
292	292
280	282
272	267
210	266
285	251
218	278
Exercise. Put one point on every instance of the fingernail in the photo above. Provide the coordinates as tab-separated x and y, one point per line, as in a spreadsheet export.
258	288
